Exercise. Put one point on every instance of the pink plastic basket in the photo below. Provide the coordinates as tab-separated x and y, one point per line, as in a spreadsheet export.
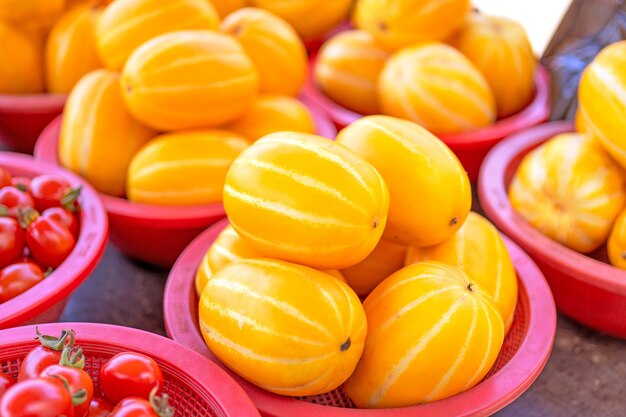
149	233
22	118
523	356
196	387
45	301
470	147
587	289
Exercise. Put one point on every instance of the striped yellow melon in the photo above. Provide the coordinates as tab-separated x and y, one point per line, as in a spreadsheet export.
617	242
384	260
287	328
273	113
430	191
21	66
310	18
580	123
226	7
25	11
400	23
602	99
183	168
98	136
306	199
435	86
189	79
432	333
478	249
501	50
127	24
274	47
347	70
570	190
71	49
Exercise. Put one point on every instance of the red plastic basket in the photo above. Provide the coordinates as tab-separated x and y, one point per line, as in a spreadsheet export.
196	387
45	301
22	118
524	354
150	233
470	147
587	289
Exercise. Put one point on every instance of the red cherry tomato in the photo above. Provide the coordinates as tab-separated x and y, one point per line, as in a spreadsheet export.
39	397
48	353
18	278
129	375
21	183
11	241
65	217
14	199
49	242
5	178
99	407
52	191
77	380
5	383
134	407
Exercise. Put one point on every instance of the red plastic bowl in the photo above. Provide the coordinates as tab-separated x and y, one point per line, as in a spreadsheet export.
195	386
470	147
588	290
22	118
46	300
524	354
150	233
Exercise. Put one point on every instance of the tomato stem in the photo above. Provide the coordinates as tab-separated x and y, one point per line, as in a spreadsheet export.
79	397
70	199
26	216
160	404
67	338
73	357
4	210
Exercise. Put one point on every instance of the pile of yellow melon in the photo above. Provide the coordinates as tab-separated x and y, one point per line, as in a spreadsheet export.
383	212
433	62
181	95
572	187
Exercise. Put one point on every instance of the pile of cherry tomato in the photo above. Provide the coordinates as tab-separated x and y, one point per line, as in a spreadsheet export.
52	382
39	226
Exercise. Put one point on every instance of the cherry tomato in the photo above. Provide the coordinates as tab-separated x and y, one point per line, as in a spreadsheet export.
65	217
11	241
134	407
18	278
52	191
14	199
99	407
129	375
38	397
49	242
21	183
48	353
5	383
77	380
5	178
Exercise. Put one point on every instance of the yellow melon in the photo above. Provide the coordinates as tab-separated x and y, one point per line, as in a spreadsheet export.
478	249
21	66
98	136
570	190
430	191
384	260
434	85
189	79
309	17
400	23
347	70
432	333
183	168
330	204
273	113
127	24
274	47
602	99
296	331
26	11
71	49
226	7
501	50
617	242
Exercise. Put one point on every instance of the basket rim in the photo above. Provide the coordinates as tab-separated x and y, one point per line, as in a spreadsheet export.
482	400
537	111
89	249
495	201
213	381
